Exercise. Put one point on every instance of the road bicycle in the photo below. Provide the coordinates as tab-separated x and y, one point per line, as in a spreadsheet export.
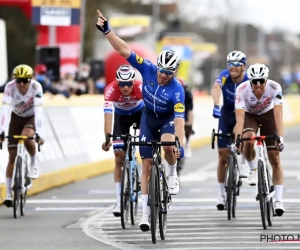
264	185
20	180
131	184
159	198
233	179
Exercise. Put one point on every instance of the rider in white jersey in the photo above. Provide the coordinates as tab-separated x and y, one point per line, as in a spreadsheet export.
259	102
24	97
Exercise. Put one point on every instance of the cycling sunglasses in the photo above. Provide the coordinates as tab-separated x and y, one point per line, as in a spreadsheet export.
167	72
256	81
22	80
234	64
123	84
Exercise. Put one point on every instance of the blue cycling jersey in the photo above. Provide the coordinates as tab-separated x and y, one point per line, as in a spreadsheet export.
228	89
161	100
227	120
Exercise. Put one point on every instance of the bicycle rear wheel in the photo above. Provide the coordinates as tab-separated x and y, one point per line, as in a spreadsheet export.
163	208
153	194
125	198
261	193
17	188
136	188
230	185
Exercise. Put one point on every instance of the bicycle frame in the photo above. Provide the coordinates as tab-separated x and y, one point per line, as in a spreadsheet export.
130	156
20	153
261	152
263	156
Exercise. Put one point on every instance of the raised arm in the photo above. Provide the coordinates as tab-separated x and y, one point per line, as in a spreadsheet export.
116	42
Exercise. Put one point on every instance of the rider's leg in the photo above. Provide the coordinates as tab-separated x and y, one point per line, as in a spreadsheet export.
223	152
119	161
250	129
221	171
29	130
268	128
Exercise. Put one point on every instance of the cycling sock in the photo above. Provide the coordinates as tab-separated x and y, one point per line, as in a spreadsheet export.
278	192
118	189
187	144
8	187
173	170
33	158
146	208
252	164
221	189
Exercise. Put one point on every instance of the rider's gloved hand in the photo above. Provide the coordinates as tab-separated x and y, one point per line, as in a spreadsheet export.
281	144
102	24
233	148
216	111
105	146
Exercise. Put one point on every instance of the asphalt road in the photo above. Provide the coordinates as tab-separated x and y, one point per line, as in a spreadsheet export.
78	216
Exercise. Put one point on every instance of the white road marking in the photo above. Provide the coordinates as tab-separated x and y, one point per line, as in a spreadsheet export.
69	208
174	200
97	219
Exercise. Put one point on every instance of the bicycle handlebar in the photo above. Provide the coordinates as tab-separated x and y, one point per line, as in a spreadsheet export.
154	143
23	137
219	135
122	137
257	138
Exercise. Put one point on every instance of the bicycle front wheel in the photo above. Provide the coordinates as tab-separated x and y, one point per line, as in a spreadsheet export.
125	196
136	188
17	188
153	194
163	208
261	193
230	186
270	206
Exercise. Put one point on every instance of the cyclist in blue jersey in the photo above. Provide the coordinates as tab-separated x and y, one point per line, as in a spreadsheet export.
227	83
163	116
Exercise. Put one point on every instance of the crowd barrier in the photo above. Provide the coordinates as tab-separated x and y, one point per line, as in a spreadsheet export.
74	133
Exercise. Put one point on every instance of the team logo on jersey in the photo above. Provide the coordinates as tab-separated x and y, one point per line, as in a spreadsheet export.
237	99
179	107
139	59
223	80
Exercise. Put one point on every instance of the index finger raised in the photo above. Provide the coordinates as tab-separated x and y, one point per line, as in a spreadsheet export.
99	13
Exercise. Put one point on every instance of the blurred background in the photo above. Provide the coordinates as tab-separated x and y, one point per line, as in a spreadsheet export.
70	56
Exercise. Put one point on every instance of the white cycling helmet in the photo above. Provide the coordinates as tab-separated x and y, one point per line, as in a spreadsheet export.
168	60
257	71
236	56
125	73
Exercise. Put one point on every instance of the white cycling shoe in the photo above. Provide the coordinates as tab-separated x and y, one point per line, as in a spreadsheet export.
144	224
8	201
244	170
116	210
173	184
279	209
33	172
221	203
252	178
